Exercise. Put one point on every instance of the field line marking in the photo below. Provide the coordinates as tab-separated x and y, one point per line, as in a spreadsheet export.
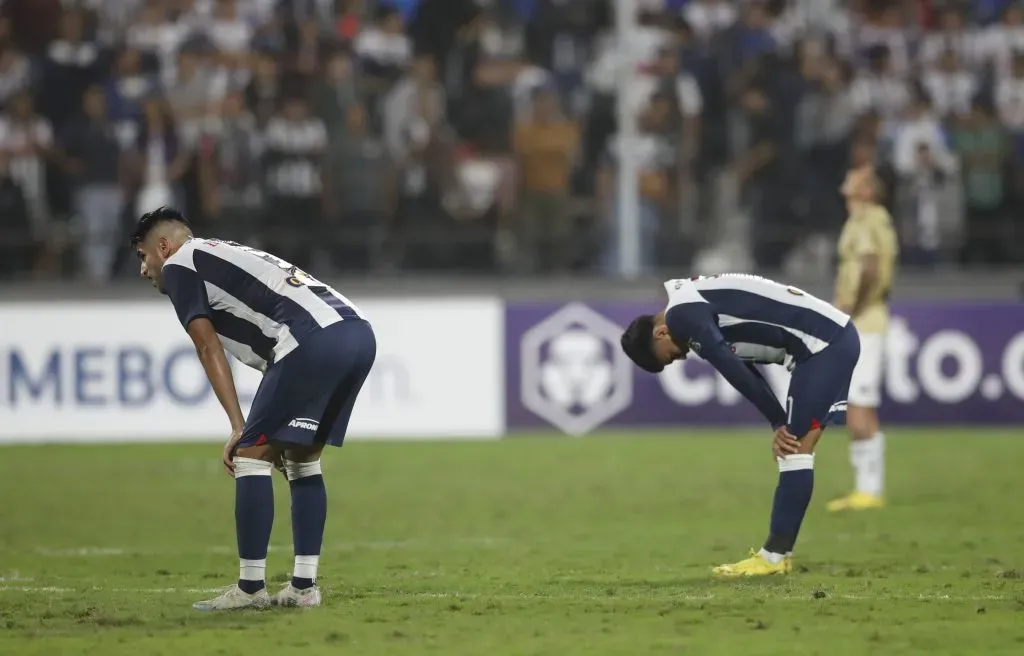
225	549
541	596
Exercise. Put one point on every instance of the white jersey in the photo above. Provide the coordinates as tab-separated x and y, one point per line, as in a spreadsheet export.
261	306
763	320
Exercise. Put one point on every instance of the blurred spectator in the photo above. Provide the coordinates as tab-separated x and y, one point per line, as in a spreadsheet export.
264	89
154	33
26	139
709	17
128	86
311	47
228	31
336	92
16	233
160	157
1005	38
15	73
93	151
879	87
423	153
295	145
950	87
198	86
920	125
383	49
981	143
401	107
545	149
1009	97
922	235
362	191
72	63
954	34
230	178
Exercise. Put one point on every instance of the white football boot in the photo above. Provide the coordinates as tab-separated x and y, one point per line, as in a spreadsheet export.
294	598
233	598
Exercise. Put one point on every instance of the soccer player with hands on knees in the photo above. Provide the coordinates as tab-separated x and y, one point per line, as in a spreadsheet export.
735	322
314	348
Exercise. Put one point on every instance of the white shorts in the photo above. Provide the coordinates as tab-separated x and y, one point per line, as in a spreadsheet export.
866	382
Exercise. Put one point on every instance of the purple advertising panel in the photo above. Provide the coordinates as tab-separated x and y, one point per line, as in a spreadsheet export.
958	363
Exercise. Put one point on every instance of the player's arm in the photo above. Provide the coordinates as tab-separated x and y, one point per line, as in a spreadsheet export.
865	276
696	321
188	296
869	265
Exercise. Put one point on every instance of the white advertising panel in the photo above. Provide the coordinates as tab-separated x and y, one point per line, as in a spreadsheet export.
126	371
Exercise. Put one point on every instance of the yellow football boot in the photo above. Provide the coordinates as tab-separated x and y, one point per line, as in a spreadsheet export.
756	565
856	501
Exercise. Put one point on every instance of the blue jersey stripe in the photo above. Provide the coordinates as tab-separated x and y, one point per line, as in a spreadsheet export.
253	293
747	305
345	311
244	332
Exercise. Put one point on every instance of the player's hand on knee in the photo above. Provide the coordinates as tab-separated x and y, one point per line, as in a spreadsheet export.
784	443
227	457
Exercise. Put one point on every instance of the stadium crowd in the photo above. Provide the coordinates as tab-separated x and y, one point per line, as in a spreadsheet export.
480	135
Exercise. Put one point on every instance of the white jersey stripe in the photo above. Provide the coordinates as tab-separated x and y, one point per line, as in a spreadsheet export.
322	313
221	300
813	343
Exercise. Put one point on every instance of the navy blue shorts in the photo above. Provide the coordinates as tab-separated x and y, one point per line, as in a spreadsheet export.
307	397
819	386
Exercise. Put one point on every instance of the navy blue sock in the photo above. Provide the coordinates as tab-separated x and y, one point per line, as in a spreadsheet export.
792	496
254	519
309	515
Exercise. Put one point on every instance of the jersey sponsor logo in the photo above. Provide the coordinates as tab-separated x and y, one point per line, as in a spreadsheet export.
574	373
304	424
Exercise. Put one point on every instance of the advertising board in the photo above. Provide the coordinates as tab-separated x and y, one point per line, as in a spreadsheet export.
945	363
127	371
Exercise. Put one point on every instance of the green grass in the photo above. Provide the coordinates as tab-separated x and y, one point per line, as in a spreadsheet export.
524	546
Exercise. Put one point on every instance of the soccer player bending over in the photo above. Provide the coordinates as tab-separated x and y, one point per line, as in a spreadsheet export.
868	248
315	350
735	321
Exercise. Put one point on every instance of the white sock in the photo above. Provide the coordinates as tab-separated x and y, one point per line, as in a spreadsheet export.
868	459
252	570
773	558
306	566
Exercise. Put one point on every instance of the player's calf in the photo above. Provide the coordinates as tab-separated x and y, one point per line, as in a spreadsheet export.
309	516
254	514
792	496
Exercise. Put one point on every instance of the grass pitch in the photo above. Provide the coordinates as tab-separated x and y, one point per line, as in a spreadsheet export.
525	546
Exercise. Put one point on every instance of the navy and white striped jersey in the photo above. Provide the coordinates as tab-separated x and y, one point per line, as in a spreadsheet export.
734	320
261	306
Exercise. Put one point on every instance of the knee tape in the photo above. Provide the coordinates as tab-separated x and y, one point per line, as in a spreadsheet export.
252	467
296	470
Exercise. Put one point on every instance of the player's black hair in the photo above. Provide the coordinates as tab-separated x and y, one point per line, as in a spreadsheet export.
150	220
638	343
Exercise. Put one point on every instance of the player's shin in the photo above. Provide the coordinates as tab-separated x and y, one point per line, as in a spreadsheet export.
792	496
868	459
309	515
254	519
